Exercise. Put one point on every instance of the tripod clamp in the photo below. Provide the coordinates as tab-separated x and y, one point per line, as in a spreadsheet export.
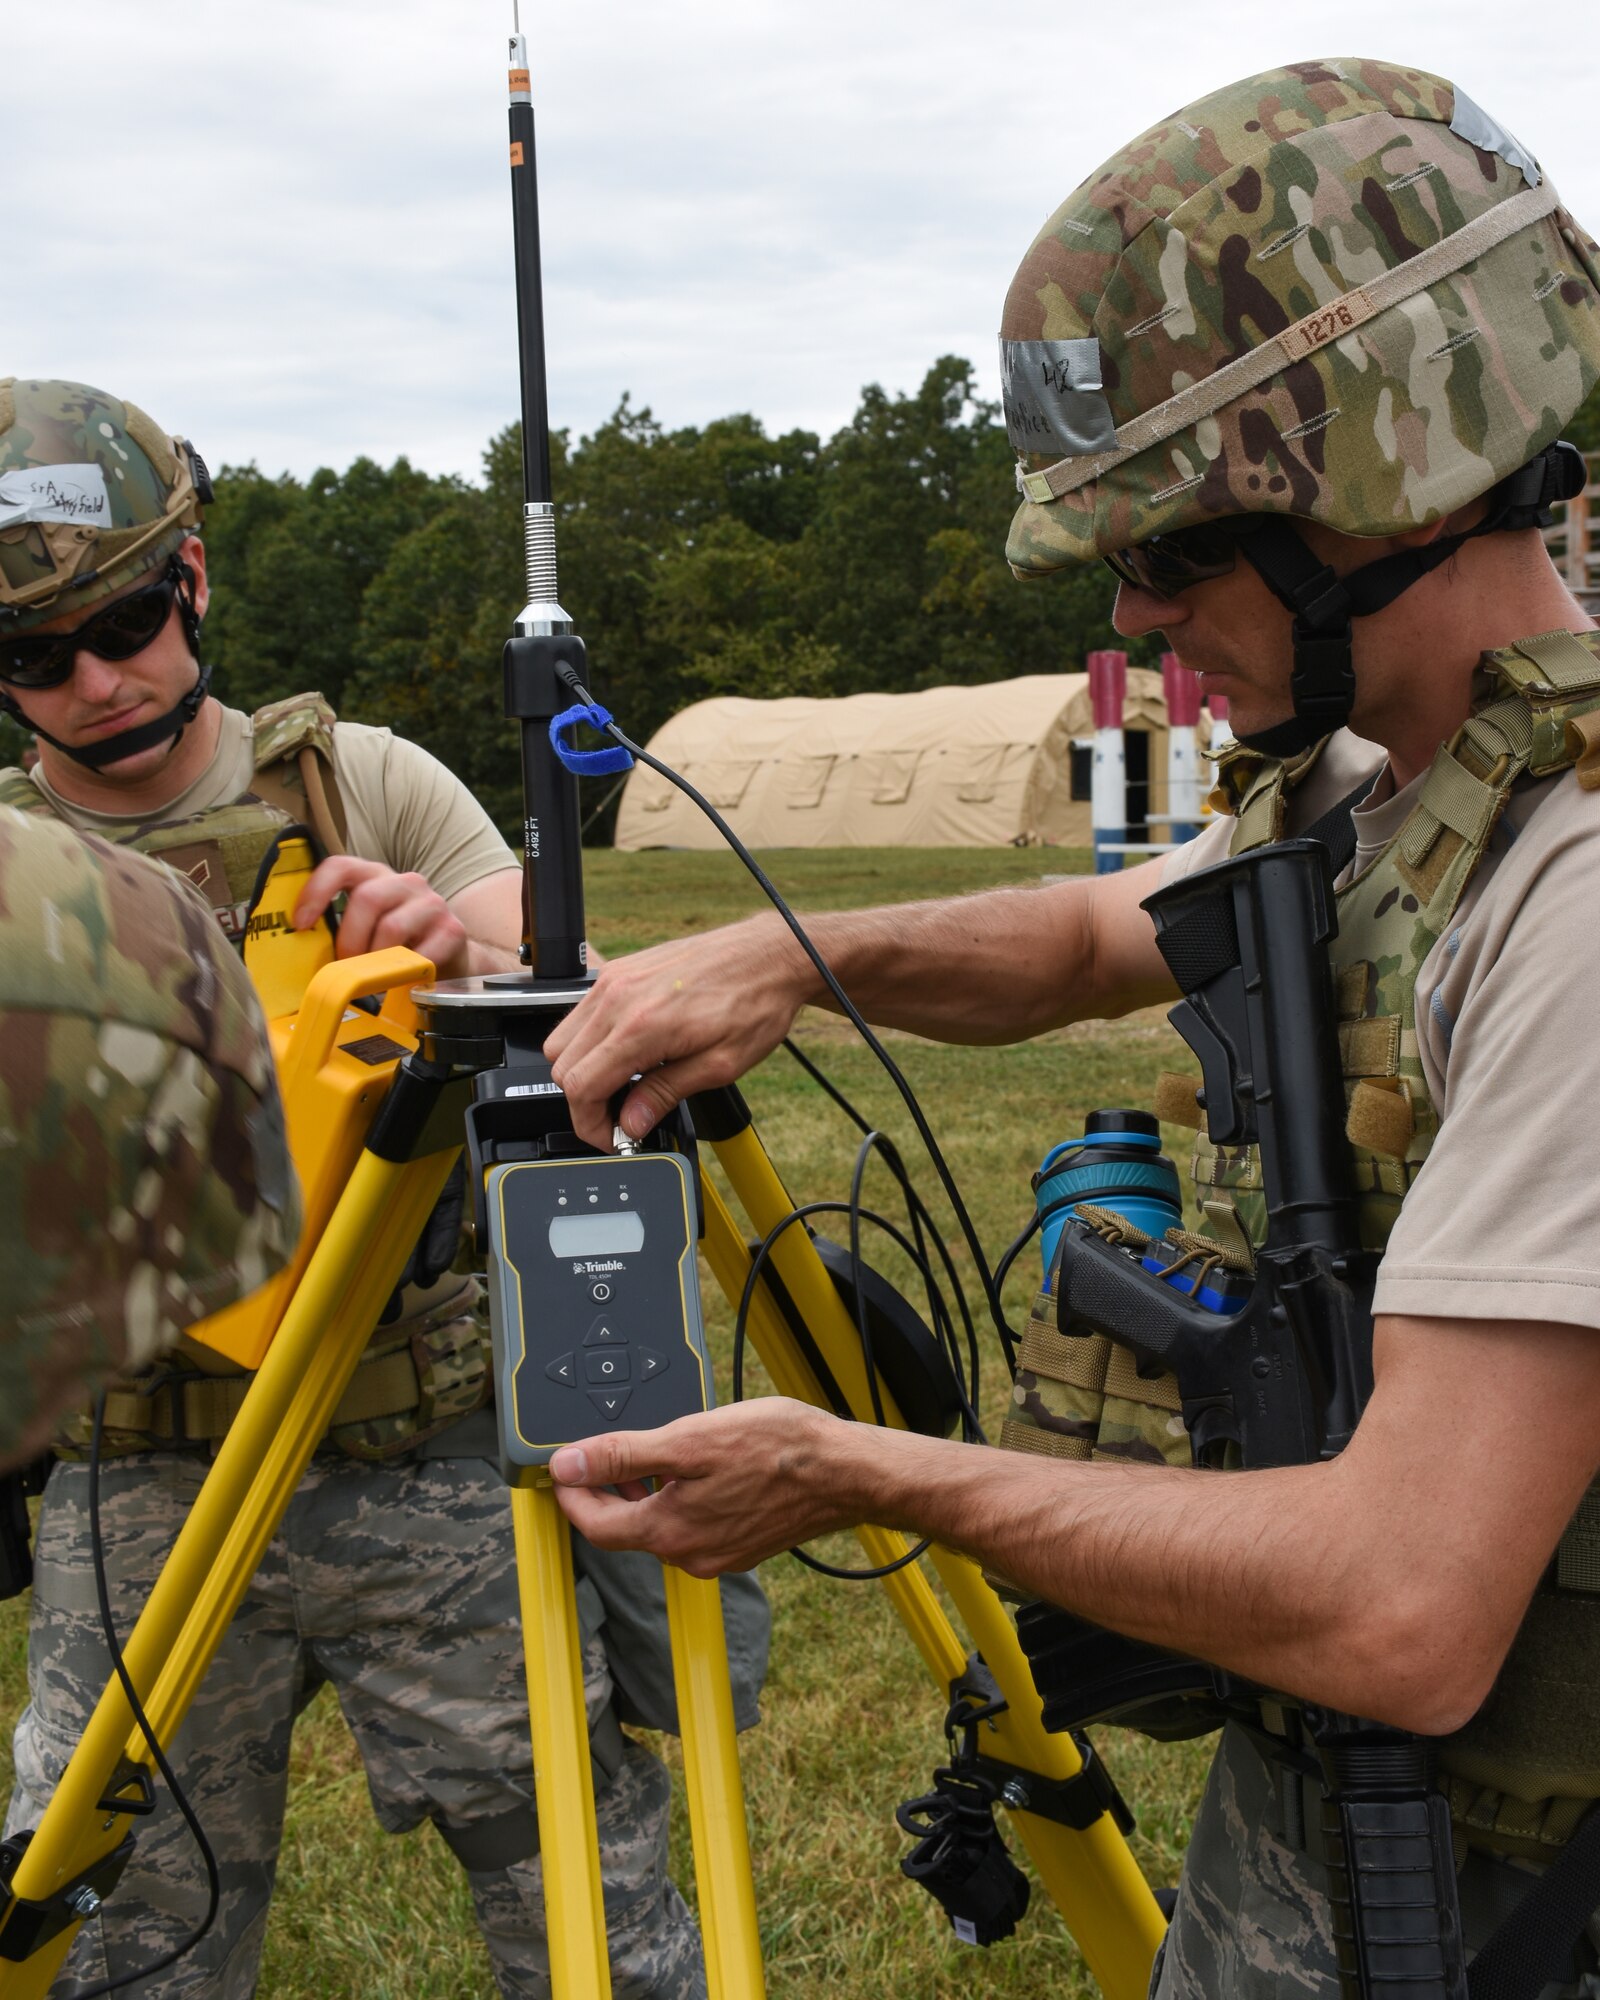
31	1925
1076	1802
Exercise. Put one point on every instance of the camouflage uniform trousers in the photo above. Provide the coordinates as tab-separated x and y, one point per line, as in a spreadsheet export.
397	1583
1252	1915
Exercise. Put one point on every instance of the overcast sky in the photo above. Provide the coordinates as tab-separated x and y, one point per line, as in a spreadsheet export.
285	228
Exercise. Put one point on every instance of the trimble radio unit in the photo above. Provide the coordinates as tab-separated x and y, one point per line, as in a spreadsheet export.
594	1300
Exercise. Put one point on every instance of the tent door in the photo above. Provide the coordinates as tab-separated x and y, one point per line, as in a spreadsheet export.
1137	742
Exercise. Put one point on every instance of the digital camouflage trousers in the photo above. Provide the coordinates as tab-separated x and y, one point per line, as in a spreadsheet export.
396	1583
1252	1915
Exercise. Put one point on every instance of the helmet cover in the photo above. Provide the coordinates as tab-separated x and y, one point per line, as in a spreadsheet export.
1338	291
92	494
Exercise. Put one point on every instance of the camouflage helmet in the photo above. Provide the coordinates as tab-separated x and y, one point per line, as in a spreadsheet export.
92	494
1337	291
145	1178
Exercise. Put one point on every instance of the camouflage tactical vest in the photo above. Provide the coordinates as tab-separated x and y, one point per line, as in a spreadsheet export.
1523	1772
419	1374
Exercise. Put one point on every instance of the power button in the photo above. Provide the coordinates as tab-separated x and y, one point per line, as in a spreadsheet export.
602	1292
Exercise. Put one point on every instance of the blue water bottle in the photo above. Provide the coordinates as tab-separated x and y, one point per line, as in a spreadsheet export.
1117	1164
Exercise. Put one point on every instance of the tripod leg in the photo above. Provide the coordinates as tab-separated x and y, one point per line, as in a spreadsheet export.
1090	1874
728	1920
569	1840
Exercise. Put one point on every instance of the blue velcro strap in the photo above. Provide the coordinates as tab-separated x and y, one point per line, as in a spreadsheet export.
587	763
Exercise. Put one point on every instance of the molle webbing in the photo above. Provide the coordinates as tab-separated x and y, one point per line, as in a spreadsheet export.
1252	788
293	751
1080	1396
1557	676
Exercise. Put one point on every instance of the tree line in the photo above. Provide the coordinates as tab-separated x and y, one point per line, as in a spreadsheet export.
694	562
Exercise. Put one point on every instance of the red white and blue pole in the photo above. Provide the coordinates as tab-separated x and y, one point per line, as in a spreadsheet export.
1108	793
1181	687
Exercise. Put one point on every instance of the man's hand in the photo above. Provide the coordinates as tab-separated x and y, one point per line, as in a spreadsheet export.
737	1484
683	1017
383	908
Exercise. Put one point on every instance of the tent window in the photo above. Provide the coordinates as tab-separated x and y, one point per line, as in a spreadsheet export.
651	792
805	780
896	770
984	764
1082	770
723	781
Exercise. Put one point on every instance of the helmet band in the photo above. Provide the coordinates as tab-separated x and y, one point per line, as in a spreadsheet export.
1331	321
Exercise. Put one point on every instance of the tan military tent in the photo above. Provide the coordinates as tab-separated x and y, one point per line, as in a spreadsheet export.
1004	764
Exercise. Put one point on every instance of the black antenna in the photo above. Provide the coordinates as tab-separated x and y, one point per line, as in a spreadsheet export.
543	649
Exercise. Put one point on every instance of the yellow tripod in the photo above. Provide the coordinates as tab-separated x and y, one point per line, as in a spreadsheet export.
381	1138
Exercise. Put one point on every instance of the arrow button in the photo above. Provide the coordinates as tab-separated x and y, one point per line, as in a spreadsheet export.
564	1370
650	1363
609	1402
604	1330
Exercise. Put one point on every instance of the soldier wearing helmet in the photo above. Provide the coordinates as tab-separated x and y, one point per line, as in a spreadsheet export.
103	590
1295	362
133	1062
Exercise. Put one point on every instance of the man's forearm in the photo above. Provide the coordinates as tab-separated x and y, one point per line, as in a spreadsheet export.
1251	1571
991	968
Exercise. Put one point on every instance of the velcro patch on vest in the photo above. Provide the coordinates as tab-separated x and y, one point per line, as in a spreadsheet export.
1079	1363
1177	1099
1352	983
1564	663
201	863
1380	1117
1123	1380
1371	1047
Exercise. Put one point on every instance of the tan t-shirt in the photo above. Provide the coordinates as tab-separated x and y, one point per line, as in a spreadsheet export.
403	807
1504	1219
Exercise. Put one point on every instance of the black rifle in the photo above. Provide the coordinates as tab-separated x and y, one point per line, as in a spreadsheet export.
1282	1381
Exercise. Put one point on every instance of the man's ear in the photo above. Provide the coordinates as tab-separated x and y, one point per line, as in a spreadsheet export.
193	551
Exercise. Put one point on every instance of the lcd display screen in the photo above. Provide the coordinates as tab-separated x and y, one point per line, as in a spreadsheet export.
609	1235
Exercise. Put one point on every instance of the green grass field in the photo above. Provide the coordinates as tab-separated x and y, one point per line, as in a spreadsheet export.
852	1725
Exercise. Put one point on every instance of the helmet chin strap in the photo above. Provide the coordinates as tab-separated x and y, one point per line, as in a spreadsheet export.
96	756
112	749
1323	605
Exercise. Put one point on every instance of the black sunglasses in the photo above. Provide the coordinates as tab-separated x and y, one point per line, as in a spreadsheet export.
1166	564
117	632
